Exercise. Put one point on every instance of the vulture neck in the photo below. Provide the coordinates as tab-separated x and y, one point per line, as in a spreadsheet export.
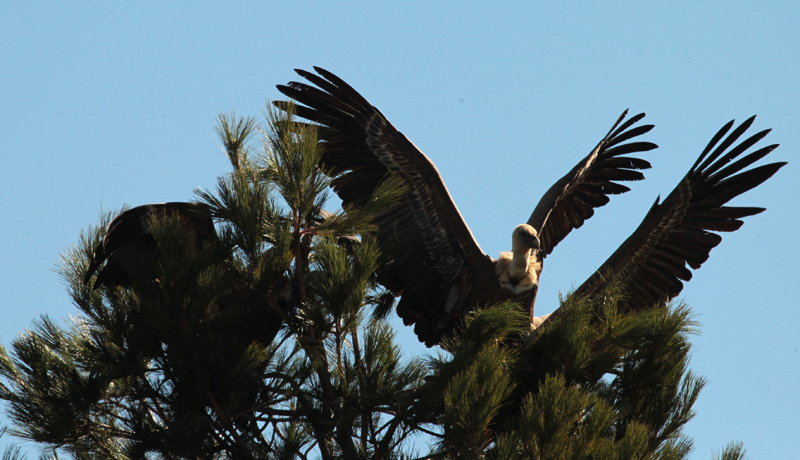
521	251
518	270
520	258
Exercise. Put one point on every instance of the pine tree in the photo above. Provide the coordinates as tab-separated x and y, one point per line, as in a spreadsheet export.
274	344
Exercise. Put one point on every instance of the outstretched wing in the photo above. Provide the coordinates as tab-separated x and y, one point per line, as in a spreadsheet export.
652	263
572	200
430	247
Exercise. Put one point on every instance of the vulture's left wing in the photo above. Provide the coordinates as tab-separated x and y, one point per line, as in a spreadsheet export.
652	263
572	200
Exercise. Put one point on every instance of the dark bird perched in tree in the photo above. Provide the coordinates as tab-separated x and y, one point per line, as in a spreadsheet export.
436	265
264	302
131	229
433	260
262	306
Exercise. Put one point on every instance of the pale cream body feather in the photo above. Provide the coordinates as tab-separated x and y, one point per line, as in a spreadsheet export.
514	280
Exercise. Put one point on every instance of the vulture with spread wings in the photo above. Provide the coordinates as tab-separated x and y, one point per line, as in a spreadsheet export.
436	266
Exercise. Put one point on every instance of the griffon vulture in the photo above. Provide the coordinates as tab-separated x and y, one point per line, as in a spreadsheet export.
437	267
132	229
263	308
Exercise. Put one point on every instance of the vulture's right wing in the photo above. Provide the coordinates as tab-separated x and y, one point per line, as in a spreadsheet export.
651	263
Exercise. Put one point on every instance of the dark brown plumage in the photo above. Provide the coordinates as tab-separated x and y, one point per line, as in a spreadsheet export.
259	309
652	262
433	261
132	229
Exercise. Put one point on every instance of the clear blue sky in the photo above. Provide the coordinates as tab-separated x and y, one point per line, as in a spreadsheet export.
107	103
